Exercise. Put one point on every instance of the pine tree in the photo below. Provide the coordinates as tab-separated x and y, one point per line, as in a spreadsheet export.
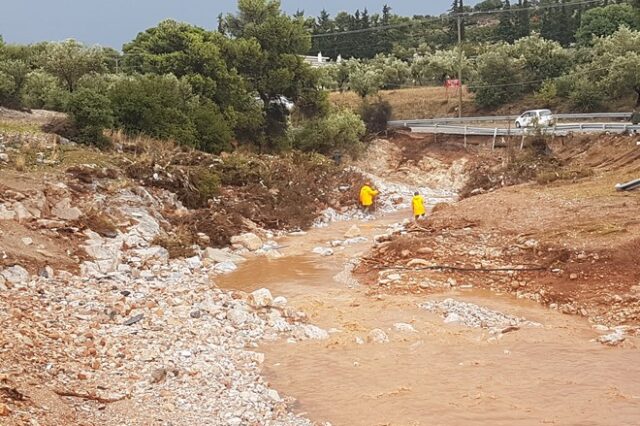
506	30
523	20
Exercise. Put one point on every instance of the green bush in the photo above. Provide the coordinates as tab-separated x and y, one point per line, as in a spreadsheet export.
586	96
339	131
42	91
91	113
207	185
547	93
375	115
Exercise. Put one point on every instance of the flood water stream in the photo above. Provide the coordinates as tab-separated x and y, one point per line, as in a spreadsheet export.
441	374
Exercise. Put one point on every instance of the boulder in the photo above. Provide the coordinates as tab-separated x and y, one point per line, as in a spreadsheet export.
353	232
250	241
6	214
22	213
261	298
221	256
15	274
63	210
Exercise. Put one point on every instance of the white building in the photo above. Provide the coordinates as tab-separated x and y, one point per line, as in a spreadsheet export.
317	61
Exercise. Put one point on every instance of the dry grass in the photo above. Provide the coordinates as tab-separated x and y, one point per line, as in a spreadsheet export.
100	223
179	243
20	162
418	102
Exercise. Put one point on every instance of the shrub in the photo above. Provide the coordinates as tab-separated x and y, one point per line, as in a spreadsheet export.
339	131
586	96
42	91
91	114
207	185
375	115
547	94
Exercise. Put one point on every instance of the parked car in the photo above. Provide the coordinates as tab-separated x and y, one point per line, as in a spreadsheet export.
536	117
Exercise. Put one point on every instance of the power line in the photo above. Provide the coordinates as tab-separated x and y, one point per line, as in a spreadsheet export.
523	9
454	15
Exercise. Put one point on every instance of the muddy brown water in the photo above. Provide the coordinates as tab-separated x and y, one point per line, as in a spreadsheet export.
441	374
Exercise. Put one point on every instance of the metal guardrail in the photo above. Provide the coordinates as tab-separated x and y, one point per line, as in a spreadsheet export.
560	129
490	118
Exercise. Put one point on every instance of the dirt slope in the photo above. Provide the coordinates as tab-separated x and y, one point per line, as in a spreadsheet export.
583	235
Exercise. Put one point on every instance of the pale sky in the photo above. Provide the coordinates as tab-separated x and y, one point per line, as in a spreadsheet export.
114	22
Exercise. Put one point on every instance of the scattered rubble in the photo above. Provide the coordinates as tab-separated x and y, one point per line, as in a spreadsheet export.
474	316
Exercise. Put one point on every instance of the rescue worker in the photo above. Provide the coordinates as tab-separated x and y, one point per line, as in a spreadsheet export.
367	197
417	203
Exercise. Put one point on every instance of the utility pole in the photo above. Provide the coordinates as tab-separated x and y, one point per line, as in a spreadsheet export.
460	65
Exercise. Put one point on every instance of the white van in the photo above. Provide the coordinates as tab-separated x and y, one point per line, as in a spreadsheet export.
536	117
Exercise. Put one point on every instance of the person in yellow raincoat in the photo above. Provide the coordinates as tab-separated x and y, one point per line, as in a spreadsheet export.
367	197
417	203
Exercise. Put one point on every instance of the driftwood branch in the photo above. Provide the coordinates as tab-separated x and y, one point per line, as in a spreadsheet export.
89	396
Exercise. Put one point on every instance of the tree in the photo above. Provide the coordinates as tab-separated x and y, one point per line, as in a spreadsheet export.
185	51
91	114
157	106
70	60
41	90
13	73
604	21
487	5
498	78
433	68
365	81
271	64
523	20
506	30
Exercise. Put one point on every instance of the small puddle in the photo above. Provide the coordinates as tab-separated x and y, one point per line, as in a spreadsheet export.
440	374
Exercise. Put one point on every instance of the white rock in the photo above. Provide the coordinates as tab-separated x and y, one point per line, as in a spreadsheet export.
16	274
27	241
404	327
238	316
225	267
6	214
394	277
22	213
194	262
418	262
153	252
353	232
377	336
314	333
63	210
280	302
323	251
250	241
261	298
221	256
452	317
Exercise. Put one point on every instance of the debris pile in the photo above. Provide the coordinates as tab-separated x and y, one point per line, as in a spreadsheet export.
162	338
474	316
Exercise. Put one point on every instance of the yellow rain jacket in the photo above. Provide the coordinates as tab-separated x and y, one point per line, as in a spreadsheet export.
367	194
418	205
